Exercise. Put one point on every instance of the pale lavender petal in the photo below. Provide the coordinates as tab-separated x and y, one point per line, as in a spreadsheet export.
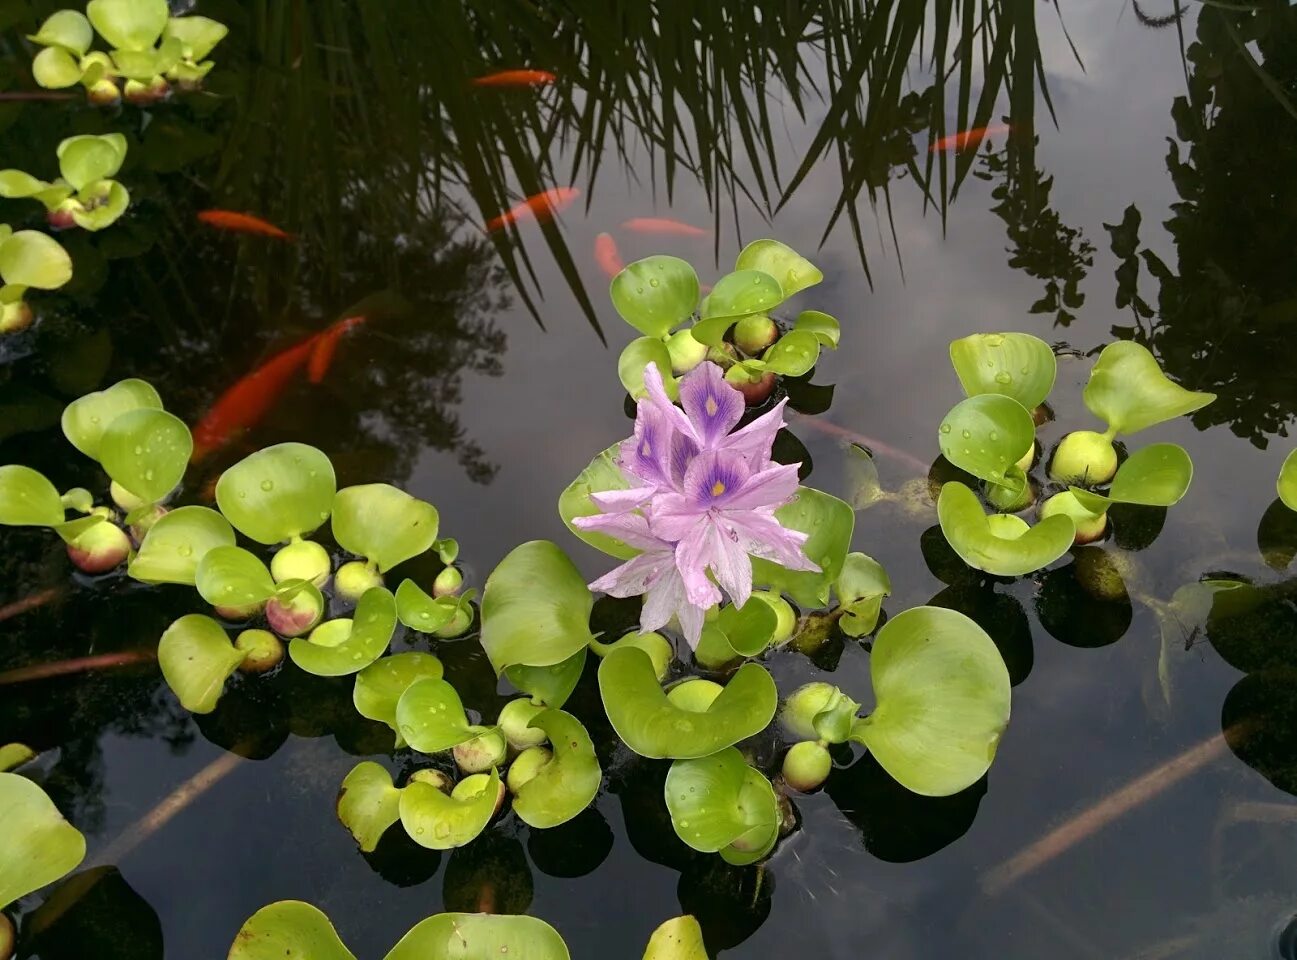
772	487
707	547
646	455
634	577
691	622
714	407
663	599
616	501
715	478
763	536
631	529
672	516
755	441
657	396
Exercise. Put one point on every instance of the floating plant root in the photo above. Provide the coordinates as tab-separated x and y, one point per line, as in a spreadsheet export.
877	446
31	602
60	668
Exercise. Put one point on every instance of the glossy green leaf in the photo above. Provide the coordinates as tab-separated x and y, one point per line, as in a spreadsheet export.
27	498
822	326
68	29
147	452
278	493
140	65
288	930
14	755
177	542
380	685
569	782
741	293
383	524
129	24
551	685
104	203
17	184
638	354
793	271
430	717
655	294
1286	485
55	69
233	577
197	657
1129	391
996	544
601	474
440	822
654	727
419	611
748	629
1014	365
85	159
861	587
197	36
987	435
535	608
86	418
1155	476
371	631
829	522
712	331
718	804
39	845
793	354
368	803
30	258
680	938
941	692
480	936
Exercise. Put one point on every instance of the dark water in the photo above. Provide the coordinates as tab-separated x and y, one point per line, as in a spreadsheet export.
354	126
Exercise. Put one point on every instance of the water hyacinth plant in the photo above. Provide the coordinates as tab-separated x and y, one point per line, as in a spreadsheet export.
84	195
28	258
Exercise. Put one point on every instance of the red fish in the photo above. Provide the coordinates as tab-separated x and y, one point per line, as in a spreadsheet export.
968	139
606	255
663	225
242	223
540	206
516	78
245	403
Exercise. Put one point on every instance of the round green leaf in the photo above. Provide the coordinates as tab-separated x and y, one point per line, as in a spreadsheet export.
655	294
1286	485
654	727
129	24
146	451
1015	365
68	29
1129	391
535	608
793	271
86	158
229	576
104	203
1155	476
550	685
942	701
196	658
55	69
638	354
987	435
196	35
430	716
601	474
440	822
793	354
140	65
39	845
15	184
380	685
569	782
15	755
419	611
30	258
383	524
288	930
278	493
480	936
822	326
371	631
368	803
997	544
680	938
829	522
86	418
28	499
177	542
741	293
712	332
720	804
748	629
861	587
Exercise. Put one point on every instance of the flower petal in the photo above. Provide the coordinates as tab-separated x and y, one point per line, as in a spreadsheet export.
772	487
646	456
672	517
691	622
634	577
762	535
713	406
755	441
657	396
707	547
663	599
714	478
683	451
631	529
619	501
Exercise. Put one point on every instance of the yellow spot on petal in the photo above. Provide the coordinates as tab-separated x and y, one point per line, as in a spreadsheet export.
718	488
711	406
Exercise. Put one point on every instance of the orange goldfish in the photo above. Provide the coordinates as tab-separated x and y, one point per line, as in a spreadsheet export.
540	206
663	225
516	78
606	255
245	403
968	139
242	223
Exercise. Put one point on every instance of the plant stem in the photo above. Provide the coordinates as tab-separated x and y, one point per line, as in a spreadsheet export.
59	668
30	602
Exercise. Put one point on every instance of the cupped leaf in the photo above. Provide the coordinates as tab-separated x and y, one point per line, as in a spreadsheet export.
1129	391
441	822
794	354
17	185
986	435
535	608
741	293
829	522
861	587
383	524
30	258
141	65
941	691
196	658
87	158
419	611
68	29
654	727
569	782
129	24
278	493
197	36
550	685
822	326
430	716
177	542
229	576
718	804
1154	476
371	631
103	204
637	355
380	685
86	418
480	936
39	845
680	938
655	294
600	475
1286	485
997	544
793	271
146	451
27	498
712	331
368	803
55	69
288	930
1015	365
748	629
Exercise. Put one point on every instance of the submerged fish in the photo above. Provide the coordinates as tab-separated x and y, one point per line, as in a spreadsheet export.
540	206
245	403
516	78
242	223
607	256
663	225
969	139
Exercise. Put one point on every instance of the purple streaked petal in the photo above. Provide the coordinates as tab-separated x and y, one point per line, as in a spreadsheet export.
682	453
714	478
761	535
646	455
772	487
754	442
662	600
619	501
708	547
631	529
713	406
672	516
657	397
634	577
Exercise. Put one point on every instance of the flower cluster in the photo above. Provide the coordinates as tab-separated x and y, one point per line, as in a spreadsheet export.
700	499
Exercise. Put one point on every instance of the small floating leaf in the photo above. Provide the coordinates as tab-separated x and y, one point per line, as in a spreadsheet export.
1015	365
655	294
370	633
794	354
822	326
15	755
129	24
987	435
86	418
85	159
479	936
1286	485
277	493
551	685
197	657
380	685
419	611
793	271
535	608
431	718
998	544
197	36
288	930
1129	391
440	822
680	938
637	355
601	474
27	498
861	587
742	293
719	804
829	522
1154	476
146	451
233	577
368	803
177	542
569	782
54	69
68	29
29	258
383	524
39	845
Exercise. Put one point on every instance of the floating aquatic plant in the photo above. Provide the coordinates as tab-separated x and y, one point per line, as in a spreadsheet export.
39	845
719	804
28	259
84	195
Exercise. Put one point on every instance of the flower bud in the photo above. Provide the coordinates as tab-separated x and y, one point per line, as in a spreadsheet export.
459	624
1089	526
755	391
295	616
806	766
694	694
526	765
15	317
513	723
100	548
435	777
447	583
802	705
1083	458
755	333
262	651
473	786
483	752
685	352
301	560
354	578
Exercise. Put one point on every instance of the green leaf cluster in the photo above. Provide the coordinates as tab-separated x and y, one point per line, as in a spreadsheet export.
84	194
